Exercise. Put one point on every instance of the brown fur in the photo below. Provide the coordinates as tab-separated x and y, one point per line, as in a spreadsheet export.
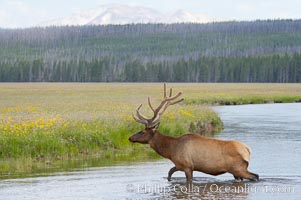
191	152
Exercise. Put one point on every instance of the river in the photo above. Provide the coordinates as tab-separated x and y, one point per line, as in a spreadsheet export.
273	131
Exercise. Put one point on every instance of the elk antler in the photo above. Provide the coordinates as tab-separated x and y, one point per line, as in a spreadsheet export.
153	121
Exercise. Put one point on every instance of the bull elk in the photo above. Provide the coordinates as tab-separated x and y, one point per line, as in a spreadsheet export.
192	152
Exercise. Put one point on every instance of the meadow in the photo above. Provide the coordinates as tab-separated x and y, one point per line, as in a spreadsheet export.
44	124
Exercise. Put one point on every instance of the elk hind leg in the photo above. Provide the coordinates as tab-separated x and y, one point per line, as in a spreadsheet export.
246	175
241	172
255	177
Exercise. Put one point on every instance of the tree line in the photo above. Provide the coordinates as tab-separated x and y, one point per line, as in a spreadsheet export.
257	51
273	68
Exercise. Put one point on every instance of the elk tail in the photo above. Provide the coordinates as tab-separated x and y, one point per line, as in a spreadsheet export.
245	153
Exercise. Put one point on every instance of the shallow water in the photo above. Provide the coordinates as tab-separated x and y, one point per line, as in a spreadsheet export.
273	131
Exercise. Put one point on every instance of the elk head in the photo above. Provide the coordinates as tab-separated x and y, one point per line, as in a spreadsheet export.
152	124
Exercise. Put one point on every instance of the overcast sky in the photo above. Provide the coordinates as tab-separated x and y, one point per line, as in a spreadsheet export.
25	13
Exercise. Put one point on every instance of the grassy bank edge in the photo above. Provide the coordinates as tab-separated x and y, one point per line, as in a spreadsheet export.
244	100
86	144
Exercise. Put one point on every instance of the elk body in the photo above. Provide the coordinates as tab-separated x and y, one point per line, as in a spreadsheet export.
192	152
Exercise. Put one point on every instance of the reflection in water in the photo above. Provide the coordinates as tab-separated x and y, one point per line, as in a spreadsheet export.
272	131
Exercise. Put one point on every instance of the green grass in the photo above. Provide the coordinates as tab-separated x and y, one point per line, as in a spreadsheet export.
246	100
58	126
47	126
241	93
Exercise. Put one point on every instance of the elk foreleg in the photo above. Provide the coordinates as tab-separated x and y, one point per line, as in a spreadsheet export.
188	173
171	171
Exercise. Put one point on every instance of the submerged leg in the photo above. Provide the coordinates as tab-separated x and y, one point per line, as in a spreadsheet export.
171	171
240	170
255	177
188	173
238	179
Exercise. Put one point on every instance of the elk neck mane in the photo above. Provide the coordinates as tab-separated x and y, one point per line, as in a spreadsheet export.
162	144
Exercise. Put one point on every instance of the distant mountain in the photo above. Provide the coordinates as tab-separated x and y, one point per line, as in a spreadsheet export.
185	16
124	14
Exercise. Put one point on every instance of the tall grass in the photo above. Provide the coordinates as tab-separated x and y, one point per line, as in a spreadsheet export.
42	125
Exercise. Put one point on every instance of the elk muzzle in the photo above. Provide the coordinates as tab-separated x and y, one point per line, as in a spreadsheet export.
142	137
135	137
